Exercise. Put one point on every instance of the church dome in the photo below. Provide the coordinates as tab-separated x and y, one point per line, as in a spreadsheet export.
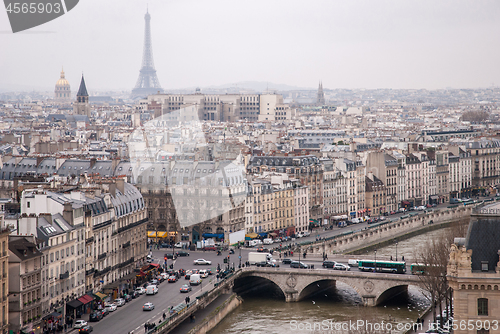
62	82
63	89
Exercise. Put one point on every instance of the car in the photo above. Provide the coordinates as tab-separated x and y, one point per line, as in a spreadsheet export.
172	279
186	288
149	260
209	248
286	261
402	210
261	264
182	253
153	282
135	295
203	273
127	298
202	261
262	250
421	208
188	274
104	312
328	264
341	266
169	256
428	205
110	307
85	330
96	316
392	212
209	271
297	264
165	245
140	290
148	307
119	302
181	272
80	324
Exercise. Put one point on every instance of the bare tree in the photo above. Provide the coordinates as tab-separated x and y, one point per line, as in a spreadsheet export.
434	257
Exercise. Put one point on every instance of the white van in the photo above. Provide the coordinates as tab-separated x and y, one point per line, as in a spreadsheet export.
151	290
353	262
195	279
203	273
268	241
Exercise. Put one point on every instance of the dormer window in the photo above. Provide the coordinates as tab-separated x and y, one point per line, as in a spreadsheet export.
484	265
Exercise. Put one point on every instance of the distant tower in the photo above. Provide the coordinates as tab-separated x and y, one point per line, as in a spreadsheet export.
148	81
320	100
62	92
82	106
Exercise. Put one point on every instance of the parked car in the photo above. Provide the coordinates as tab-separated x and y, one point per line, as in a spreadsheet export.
182	253
172	279
127	298
209	248
80	324
104	312
421	208
119	302
96	316
328	264
148	307
110	307
297	264
286	261
140	290
85	330
341	266
202	261
186	288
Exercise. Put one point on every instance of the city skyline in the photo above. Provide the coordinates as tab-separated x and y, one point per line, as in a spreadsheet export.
345	45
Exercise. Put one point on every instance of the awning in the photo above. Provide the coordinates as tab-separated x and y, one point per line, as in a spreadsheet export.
405	203
263	234
273	234
213	235
75	303
352	213
434	197
154	234
55	315
251	236
100	296
85	299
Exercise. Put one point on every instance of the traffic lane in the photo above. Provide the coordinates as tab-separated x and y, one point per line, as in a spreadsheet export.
131	316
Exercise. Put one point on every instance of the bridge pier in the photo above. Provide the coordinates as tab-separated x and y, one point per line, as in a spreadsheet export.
291	295
369	300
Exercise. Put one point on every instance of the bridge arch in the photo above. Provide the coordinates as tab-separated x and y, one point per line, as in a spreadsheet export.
250	282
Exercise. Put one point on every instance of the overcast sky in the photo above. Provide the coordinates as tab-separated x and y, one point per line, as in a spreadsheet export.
346	44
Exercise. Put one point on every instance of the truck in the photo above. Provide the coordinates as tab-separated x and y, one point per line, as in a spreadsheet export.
254	257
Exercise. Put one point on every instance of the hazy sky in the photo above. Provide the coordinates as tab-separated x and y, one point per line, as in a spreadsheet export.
346	44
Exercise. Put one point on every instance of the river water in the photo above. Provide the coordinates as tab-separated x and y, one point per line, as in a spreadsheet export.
263	314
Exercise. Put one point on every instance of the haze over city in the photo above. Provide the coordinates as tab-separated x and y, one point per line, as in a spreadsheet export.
346	44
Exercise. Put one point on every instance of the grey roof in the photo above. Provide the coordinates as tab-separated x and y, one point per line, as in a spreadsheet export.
103	167
129	201
74	166
483	237
47	166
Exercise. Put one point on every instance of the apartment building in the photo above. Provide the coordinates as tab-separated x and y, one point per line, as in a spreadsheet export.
25	285
375	194
4	279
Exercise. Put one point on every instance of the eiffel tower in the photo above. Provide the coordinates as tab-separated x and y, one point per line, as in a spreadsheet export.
147	83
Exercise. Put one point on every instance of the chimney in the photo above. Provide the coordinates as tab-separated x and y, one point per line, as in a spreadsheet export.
120	184
68	213
47	216
92	162
112	189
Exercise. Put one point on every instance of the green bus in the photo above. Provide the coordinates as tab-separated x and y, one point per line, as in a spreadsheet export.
417	268
398	267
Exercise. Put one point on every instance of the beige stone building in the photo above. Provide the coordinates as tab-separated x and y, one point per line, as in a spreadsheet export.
4	280
474	277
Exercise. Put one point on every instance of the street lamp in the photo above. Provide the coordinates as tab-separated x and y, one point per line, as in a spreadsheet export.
375	260
396	250
239	246
299	257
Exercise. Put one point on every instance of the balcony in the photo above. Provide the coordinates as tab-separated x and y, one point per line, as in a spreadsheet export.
126	245
89	240
102	256
89	272
64	276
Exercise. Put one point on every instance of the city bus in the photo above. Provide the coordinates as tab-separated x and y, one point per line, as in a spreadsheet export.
417	268
398	267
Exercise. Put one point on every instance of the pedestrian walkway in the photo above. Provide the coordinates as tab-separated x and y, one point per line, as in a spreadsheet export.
185	326
427	320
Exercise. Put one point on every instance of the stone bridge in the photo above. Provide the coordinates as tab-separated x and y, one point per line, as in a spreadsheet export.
296	284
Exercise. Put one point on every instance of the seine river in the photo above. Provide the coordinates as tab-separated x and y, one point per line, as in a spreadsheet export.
262	314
